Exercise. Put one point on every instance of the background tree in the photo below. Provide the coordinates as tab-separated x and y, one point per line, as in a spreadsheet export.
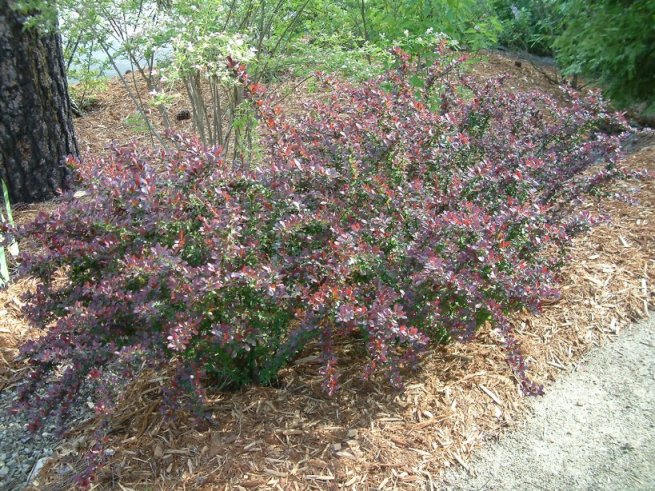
607	42
36	129
611	42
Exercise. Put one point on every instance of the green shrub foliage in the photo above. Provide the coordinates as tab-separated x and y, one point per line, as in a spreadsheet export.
611	41
528	25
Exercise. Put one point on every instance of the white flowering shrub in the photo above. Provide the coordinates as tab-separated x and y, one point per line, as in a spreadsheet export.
199	61
181	46
205	52
174	44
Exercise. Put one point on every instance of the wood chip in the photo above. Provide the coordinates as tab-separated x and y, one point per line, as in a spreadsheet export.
319	478
491	394
273	472
461	462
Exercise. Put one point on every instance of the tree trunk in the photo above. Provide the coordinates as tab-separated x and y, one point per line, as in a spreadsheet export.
36	128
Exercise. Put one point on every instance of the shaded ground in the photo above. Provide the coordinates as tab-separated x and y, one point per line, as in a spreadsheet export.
592	430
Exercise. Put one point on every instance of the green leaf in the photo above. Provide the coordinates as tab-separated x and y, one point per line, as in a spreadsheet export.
4	270
13	248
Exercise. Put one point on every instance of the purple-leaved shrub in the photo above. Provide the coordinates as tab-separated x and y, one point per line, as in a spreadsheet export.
389	213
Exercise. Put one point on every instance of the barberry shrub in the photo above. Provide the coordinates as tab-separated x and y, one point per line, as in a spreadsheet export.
384	213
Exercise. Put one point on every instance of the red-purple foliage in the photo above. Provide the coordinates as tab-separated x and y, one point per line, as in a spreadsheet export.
386	213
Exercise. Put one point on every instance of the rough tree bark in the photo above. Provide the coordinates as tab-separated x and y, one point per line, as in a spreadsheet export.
36	128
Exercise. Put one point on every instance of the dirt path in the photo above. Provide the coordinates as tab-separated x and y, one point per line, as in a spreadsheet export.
594	429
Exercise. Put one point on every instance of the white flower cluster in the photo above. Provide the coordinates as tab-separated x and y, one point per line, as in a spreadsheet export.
429	39
206	53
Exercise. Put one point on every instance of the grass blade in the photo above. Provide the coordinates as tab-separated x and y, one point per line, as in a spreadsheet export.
13	247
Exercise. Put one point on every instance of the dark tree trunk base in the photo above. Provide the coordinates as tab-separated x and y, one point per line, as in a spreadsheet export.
36	129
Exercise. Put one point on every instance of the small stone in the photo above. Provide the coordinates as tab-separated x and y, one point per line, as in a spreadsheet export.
4	471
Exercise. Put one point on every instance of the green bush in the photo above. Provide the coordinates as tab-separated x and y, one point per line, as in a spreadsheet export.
472	22
528	25
612	41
